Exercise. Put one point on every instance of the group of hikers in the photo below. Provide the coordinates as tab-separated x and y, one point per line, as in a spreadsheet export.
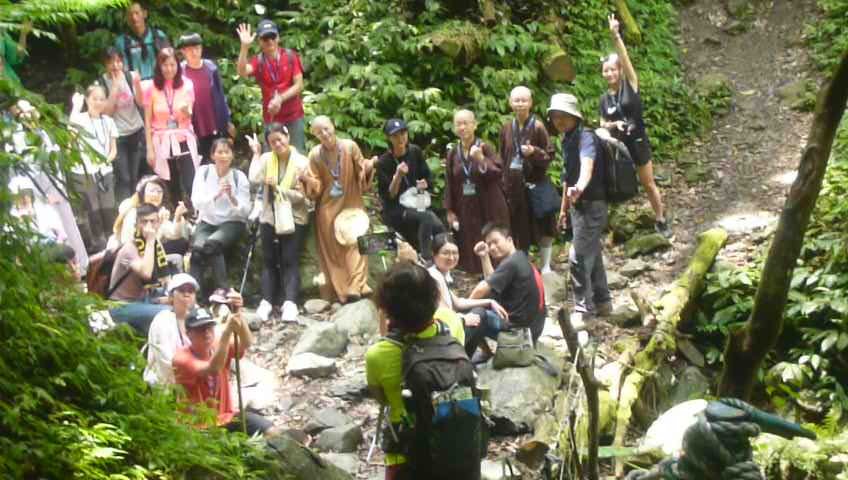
168	205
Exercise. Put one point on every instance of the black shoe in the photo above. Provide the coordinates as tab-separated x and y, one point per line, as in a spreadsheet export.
662	228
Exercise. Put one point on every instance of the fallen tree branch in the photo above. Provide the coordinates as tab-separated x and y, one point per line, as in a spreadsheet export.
673	306
590	385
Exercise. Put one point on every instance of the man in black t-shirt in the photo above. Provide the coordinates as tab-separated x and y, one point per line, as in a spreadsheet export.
513	283
403	178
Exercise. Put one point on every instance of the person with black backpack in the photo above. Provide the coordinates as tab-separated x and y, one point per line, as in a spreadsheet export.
141	44
435	427
585	196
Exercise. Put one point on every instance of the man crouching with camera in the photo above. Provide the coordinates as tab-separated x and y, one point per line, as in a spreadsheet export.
203	367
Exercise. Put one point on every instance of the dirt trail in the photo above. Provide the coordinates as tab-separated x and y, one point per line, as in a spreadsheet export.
751	153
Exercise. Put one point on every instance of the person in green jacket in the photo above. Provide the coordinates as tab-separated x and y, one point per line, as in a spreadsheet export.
12	54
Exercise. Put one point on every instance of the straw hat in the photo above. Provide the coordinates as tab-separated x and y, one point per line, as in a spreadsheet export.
350	224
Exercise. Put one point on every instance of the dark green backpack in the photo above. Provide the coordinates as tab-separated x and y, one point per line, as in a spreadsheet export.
448	437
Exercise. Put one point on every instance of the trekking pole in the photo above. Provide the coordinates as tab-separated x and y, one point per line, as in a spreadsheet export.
238	387
374	442
254	229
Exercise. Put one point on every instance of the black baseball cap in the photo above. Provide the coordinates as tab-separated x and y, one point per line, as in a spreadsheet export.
394	125
189	40
199	317
266	27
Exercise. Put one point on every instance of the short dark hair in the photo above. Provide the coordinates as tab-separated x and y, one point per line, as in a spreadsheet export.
218	142
144	210
275	127
110	53
495	227
408	295
440	240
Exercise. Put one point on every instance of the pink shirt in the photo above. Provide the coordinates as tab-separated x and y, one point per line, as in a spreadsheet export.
162	99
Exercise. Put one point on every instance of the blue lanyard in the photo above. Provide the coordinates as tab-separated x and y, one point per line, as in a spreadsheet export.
466	167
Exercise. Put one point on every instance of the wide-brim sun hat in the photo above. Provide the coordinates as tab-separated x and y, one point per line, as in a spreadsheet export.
349	225
566	103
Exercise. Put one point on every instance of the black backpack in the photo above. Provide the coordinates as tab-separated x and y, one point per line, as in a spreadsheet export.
620	181
448	438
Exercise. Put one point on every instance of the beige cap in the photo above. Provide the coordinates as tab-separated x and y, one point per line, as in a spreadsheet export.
566	103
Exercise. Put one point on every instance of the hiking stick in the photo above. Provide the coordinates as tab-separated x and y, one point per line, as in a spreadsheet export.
238	387
254	229
376	439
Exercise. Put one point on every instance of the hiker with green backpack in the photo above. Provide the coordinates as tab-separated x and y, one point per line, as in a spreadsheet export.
435	427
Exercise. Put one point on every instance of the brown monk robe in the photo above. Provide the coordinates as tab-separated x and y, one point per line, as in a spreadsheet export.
474	205
526	228
345	270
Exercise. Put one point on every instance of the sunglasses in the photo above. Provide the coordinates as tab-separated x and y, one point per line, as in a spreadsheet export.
268	37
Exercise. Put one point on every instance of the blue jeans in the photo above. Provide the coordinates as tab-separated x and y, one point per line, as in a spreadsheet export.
490	325
138	315
588	274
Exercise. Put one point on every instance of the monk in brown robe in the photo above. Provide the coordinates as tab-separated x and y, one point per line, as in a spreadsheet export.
473	190
526	151
336	179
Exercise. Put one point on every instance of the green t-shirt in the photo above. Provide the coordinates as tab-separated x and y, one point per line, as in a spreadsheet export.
383	365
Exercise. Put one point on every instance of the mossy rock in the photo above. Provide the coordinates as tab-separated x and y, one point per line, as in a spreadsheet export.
712	84
626	220
645	244
798	95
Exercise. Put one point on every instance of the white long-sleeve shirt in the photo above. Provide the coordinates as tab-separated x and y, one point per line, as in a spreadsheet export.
216	211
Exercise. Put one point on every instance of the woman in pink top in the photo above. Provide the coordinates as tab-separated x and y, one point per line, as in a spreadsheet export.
171	142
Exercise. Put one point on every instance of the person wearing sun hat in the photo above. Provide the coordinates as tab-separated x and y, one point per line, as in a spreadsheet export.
585	197
279	73
168	331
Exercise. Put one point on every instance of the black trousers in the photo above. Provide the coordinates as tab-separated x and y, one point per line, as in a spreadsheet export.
419	228
281	268
129	164
182	176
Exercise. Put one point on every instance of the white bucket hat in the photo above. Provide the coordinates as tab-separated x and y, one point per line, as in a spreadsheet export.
350	224
566	103
181	279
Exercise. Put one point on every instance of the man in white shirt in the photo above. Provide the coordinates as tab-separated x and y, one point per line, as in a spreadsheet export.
168	332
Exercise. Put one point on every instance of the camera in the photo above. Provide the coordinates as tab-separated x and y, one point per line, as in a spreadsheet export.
372	243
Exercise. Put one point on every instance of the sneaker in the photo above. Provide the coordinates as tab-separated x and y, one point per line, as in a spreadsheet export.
662	228
290	312
603	309
263	311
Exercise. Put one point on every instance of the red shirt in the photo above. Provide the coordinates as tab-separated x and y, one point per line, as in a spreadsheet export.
277	75
203	114
214	389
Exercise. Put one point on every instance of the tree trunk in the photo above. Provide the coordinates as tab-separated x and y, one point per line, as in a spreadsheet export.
747	347
632	33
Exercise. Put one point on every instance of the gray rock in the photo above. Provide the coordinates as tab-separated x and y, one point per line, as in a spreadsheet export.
352	387
645	244
254	323
667	431
349	462
326	418
323	338
342	439
316	305
615	281
359	318
518	395
310	365
554	287
625	317
691	384
291	460
633	268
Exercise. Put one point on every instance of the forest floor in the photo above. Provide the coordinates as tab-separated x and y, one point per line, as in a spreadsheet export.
746	161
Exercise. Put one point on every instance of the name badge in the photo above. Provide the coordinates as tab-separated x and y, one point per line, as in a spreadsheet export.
517	163
172	124
611	110
336	190
469	189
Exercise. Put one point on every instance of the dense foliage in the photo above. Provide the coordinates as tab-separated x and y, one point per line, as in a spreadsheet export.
368	61
72	404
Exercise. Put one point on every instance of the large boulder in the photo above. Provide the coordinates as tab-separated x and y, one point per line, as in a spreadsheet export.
518	395
358	318
258	385
667	431
292	461
645	244
349	462
310	365
326	418
343	439
322	338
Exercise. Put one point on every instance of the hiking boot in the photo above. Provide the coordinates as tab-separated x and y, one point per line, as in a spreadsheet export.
603	309
662	228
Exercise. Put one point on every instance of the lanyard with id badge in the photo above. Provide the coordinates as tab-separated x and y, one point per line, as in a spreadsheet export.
169	100
336	189
517	162
468	187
